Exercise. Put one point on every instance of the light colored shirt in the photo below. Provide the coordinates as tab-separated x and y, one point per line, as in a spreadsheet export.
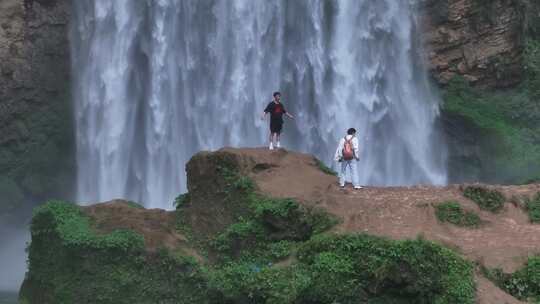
339	150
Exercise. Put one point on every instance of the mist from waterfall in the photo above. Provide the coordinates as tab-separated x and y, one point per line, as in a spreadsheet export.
156	81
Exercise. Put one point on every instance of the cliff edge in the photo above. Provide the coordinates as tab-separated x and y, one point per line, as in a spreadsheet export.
261	226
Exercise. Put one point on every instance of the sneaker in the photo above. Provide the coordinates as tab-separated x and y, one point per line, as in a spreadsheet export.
358	187
278	145
342	186
271	147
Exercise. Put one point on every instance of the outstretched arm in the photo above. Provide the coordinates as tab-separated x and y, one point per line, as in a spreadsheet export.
266	111
289	115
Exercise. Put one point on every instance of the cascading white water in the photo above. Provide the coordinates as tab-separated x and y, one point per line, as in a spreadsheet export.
158	80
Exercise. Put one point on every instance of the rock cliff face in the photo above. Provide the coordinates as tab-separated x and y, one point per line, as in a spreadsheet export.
35	112
480	40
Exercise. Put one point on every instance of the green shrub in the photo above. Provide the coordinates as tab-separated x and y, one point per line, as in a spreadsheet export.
533	208
252	283
181	201
324	168
350	269
523	284
238	236
354	266
452	212
491	200
244	183
135	205
280	250
270	229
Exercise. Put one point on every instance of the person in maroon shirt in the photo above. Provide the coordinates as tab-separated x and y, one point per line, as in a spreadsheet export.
276	109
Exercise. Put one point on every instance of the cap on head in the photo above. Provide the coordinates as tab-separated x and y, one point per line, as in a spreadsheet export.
351	131
276	94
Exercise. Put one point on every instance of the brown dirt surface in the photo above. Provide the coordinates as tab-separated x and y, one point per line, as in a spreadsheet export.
504	240
158	227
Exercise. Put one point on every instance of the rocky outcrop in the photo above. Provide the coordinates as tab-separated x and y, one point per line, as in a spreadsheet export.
35	112
480	40
222	244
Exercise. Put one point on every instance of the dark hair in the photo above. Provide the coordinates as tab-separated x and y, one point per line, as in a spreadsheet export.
276	93
351	131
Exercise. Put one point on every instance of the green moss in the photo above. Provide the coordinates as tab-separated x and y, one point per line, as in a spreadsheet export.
452	212
351	269
68	223
324	168
416	271
491	200
135	205
533	208
270	229
70	263
523	284
181	200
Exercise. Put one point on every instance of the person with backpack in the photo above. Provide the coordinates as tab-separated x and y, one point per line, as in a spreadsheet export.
347	155
276	109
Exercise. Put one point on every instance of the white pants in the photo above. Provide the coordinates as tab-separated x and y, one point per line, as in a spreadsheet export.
351	167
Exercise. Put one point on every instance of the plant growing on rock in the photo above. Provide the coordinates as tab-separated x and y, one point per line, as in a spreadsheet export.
532	206
452	212
523	284
490	200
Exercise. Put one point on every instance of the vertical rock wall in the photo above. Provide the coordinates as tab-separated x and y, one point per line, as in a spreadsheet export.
480	40
36	146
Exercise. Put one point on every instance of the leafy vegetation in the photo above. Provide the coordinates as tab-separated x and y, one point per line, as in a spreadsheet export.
67	222
533	208
324	168
135	205
351	269
452	212
269	228
181	201
523	284
491	200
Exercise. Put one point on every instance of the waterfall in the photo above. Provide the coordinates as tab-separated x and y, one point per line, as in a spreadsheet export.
155	81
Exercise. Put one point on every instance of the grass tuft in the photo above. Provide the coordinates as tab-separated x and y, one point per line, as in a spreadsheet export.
533	208
490	200
452	212
324	168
